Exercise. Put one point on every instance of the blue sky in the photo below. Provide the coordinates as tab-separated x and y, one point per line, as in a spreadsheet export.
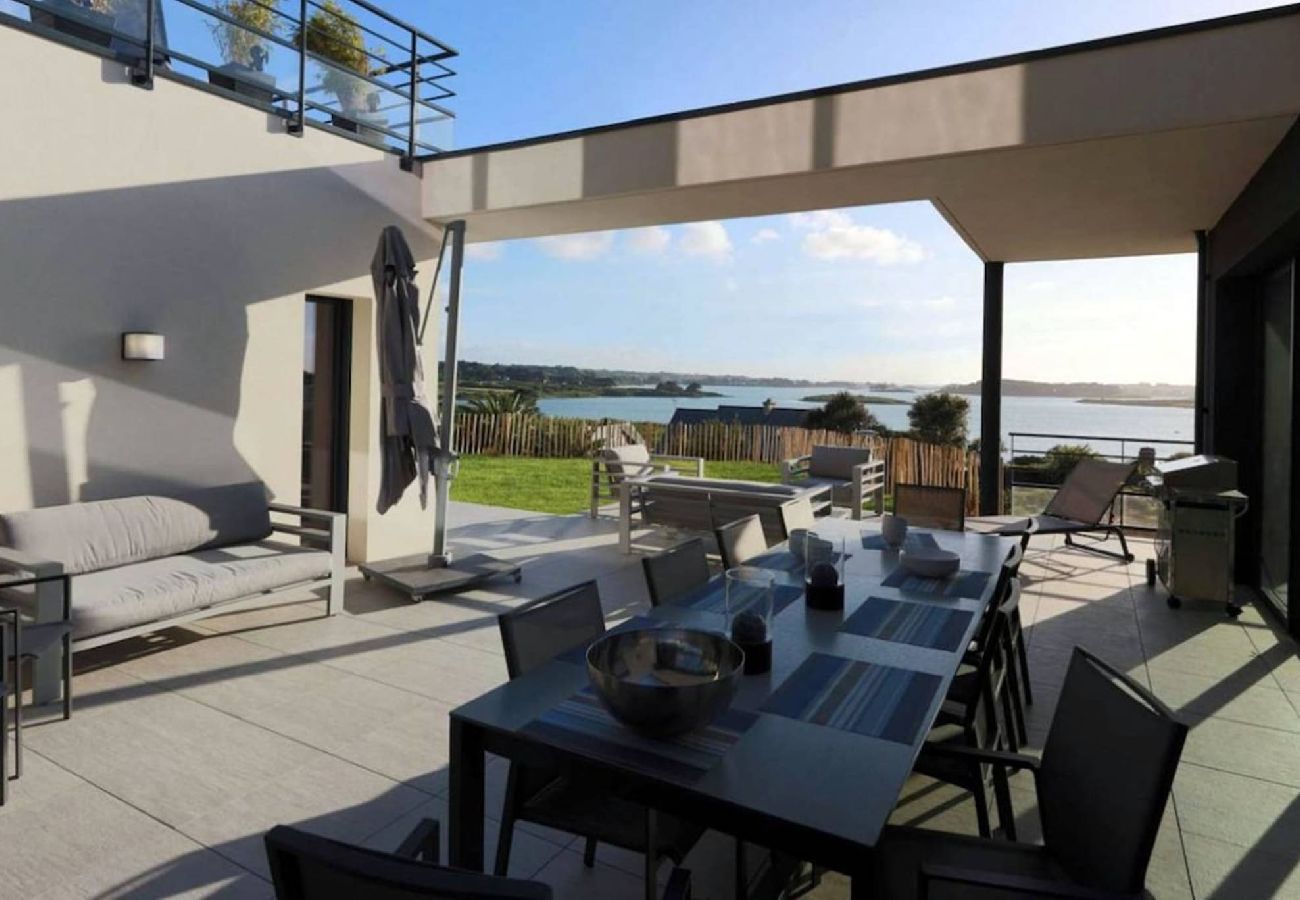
881	293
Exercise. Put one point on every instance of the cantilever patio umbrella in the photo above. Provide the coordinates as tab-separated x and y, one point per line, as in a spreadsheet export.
413	443
408	434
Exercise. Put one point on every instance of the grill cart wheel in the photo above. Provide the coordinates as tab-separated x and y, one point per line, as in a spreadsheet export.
1151	573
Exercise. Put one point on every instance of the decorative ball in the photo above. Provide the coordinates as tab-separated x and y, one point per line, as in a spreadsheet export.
749	628
823	575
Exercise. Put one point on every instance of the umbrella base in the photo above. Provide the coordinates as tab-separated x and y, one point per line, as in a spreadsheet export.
413	576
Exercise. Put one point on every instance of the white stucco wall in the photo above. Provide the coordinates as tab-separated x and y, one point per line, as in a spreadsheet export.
183	213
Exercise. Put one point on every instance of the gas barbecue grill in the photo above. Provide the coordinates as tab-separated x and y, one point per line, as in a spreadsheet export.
1199	506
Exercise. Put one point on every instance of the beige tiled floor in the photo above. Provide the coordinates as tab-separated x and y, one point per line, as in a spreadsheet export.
186	746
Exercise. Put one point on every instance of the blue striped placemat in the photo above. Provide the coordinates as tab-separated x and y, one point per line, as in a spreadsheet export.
712	598
864	698
920	624
582	724
911	541
962	584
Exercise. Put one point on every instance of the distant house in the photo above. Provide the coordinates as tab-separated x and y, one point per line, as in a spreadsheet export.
774	416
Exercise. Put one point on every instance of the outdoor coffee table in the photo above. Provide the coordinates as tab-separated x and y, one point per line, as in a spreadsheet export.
811	757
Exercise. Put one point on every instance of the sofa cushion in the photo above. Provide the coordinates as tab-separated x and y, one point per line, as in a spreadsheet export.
87	537
837	462
635	456
143	592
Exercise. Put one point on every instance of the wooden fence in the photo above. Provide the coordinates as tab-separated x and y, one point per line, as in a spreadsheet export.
906	460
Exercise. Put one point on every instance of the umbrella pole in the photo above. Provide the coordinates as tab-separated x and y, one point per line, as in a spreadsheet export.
444	464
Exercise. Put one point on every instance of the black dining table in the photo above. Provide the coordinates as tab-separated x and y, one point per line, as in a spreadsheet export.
811	757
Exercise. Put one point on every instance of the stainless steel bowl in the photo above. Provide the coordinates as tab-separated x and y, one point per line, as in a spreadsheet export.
665	681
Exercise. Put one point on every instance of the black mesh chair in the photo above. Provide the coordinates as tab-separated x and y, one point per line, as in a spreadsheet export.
927	506
969	719
533	635
676	571
308	867
740	541
1101	786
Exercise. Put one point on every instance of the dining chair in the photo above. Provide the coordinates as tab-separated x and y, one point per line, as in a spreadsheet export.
969	718
676	571
927	506
586	805
797	513
1101	787
1007	601
740	541
306	866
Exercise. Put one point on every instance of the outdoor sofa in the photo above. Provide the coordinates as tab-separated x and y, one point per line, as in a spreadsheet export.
704	504
849	472
611	466
139	564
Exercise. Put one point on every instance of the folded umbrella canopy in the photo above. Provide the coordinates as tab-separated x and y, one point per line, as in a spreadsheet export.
408	433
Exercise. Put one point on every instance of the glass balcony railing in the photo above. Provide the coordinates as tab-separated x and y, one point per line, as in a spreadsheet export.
342	65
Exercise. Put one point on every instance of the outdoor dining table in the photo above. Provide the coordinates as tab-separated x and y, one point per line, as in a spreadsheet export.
811	757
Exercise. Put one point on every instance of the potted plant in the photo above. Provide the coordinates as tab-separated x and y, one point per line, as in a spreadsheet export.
334	35
244	50
86	20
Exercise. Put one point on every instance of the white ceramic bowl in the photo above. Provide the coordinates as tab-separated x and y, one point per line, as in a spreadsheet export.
931	563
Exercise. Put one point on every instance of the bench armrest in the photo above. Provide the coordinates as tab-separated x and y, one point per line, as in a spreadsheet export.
696	461
793	469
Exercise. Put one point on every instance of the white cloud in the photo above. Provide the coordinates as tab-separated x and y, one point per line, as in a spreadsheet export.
821	220
763	235
484	252
650	241
708	239
878	245
578	247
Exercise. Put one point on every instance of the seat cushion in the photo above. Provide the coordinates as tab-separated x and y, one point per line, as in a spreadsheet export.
902	851
87	537
144	592
836	462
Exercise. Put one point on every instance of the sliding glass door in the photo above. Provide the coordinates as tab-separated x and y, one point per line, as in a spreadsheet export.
327	362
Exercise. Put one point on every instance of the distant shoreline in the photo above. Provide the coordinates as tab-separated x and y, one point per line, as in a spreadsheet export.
1169	403
868	399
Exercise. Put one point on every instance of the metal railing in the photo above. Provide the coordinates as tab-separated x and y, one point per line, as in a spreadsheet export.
345	66
1026	468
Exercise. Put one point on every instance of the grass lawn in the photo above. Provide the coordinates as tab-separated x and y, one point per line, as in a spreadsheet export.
559	485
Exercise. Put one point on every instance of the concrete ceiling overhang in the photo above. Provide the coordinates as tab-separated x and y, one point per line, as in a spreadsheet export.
1114	148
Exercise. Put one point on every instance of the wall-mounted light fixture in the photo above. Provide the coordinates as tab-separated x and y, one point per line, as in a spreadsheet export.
143	345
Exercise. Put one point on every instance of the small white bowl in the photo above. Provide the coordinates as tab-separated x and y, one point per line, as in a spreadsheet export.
931	563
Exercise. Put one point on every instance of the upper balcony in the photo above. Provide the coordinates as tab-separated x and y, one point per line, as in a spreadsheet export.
354	69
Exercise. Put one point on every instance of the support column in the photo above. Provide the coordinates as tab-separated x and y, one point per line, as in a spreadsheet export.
1201	402
991	393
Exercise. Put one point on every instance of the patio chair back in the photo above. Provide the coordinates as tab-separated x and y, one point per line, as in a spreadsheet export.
677	570
1106	772
537	632
927	506
309	867
1089	490
620	462
836	462
796	514
740	541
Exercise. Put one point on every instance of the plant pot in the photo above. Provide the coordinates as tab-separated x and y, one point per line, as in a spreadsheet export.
242	79
75	21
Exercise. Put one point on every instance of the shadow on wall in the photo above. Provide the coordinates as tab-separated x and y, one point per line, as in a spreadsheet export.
200	262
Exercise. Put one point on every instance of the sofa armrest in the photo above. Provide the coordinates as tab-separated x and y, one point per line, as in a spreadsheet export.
334	534
794	469
15	561
696	462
